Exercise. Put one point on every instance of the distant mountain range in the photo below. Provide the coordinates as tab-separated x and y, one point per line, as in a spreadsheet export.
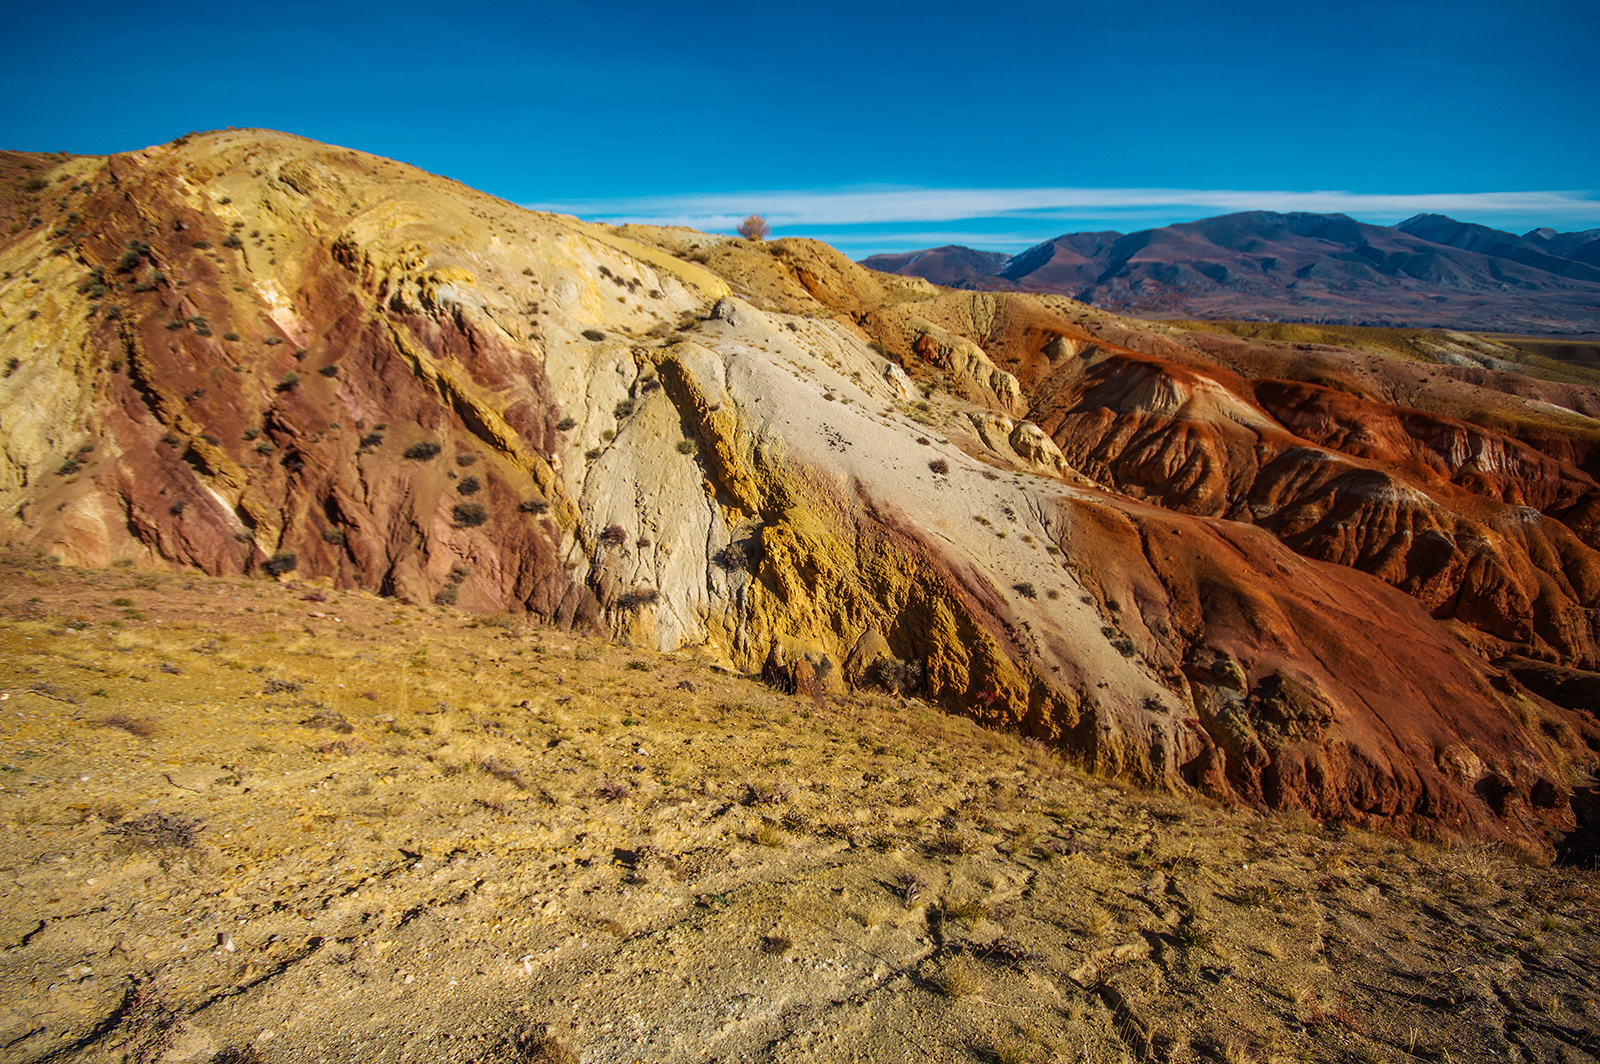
1428	271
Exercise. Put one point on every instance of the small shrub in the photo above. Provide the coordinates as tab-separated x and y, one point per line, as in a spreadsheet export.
465	459
538	1045
422	452
469	486
1025	589
134	726
469	514
239	1055
280	563
1191	937
894	675
688	447
644	596
755	228
330	370
371	440
566	424
593	334
737	557
159	831
939	466
623	408
612	791
290	382
333	535
533	506
614	536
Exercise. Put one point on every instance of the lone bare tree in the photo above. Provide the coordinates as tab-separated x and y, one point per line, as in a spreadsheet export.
754	227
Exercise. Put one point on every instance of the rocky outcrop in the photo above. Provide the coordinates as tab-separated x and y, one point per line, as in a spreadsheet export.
250	353
1463	519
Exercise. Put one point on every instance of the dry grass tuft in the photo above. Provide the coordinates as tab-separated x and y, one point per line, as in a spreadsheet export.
960	977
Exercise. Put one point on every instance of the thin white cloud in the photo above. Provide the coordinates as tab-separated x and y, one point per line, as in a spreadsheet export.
923	238
790	209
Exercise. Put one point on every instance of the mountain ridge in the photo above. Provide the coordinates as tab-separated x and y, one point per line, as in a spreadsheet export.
1428	271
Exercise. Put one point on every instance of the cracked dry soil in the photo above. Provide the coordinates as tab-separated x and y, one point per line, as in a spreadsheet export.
272	822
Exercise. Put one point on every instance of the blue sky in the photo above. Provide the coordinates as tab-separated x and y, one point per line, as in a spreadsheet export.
878	126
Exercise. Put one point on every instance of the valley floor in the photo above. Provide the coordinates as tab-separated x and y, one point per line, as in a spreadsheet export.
254	821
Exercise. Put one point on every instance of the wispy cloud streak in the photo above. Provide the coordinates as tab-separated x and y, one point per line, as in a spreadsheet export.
876	206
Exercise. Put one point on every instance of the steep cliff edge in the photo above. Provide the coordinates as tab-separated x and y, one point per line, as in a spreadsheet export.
252	353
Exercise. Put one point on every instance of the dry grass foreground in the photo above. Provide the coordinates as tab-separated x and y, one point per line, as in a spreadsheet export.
247	821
